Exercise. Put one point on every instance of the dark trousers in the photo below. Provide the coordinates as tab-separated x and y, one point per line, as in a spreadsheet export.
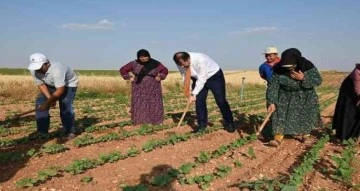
216	84
67	114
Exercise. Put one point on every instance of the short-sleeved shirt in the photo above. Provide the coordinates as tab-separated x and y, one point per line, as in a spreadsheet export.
58	75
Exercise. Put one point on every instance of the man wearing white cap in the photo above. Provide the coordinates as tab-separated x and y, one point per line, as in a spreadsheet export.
271	56
55	82
266	72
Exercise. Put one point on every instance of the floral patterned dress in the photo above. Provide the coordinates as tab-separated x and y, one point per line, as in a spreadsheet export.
146	96
297	104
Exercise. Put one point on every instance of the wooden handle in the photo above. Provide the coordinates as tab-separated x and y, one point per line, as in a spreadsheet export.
183	115
23	113
264	123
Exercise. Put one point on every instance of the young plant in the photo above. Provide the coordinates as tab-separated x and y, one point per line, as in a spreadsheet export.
86	179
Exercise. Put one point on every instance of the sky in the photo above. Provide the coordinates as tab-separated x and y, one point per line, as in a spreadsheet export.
105	34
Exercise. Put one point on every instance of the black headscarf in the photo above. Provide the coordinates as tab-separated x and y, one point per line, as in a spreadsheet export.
148	66
292	56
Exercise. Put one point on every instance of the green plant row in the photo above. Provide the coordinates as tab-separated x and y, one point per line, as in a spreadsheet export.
8	157
77	167
204	156
344	170
295	179
80	166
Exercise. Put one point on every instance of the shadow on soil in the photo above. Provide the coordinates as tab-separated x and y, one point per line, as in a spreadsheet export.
159	179
14	158
15	154
247	122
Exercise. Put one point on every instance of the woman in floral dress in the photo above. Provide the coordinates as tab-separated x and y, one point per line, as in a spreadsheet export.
291	95
146	93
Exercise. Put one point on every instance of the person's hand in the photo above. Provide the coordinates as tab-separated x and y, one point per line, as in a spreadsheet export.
132	78
271	108
192	98
297	75
53	105
157	78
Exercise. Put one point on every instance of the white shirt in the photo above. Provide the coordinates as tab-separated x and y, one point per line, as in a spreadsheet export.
58	75
202	67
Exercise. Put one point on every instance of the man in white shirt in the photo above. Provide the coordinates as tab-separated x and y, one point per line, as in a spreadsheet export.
55	82
206	75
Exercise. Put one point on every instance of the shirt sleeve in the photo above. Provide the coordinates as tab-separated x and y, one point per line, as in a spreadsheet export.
163	71
201	77
59	77
124	70
311	79
272	90
262	72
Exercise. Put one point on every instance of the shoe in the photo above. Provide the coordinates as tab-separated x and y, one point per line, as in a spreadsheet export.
305	139
229	127
200	129
37	135
70	136
274	143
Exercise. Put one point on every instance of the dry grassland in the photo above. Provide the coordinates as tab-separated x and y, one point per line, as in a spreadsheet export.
21	87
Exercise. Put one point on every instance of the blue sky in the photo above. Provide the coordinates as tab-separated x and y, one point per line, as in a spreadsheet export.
94	34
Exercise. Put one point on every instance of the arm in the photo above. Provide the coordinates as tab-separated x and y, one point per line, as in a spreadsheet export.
311	78
272	92
126	69
163	72
59	82
201	77
44	90
53	97
265	72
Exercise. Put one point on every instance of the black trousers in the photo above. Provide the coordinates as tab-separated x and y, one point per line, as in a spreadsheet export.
216	84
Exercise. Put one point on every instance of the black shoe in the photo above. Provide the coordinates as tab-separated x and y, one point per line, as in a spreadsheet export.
230	127
200	129
37	135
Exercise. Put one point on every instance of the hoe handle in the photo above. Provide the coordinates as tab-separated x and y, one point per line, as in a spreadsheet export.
23	113
183	115
264	123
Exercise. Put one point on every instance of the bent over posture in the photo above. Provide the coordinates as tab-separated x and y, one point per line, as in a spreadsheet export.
291	93
55	82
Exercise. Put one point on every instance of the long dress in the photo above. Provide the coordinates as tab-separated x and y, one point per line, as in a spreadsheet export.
146	96
346	119
297	104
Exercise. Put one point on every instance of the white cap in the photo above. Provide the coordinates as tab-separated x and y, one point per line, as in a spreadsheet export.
271	50
36	61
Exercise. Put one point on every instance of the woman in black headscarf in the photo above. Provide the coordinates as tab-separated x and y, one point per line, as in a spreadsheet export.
346	119
291	95
146	98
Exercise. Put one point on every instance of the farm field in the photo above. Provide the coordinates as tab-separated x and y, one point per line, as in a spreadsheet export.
109	153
